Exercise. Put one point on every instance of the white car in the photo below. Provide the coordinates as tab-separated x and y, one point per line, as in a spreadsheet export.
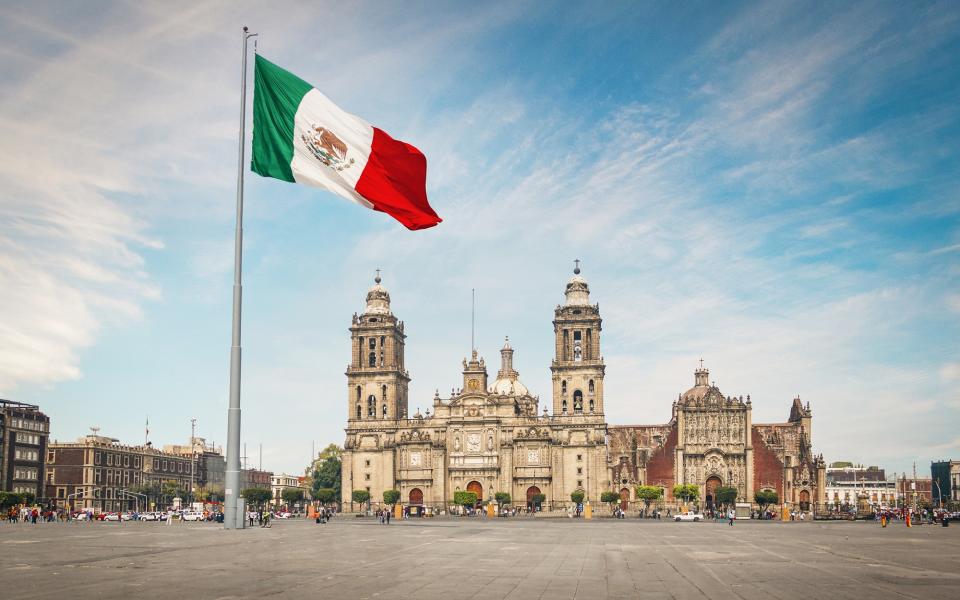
111	517
284	515
191	516
695	517
150	516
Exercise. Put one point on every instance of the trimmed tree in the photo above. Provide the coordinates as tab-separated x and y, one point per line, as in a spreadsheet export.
502	498
538	500
361	497
577	497
465	499
257	496
391	497
765	498
610	498
648	493
686	491
726	495
325	495
291	495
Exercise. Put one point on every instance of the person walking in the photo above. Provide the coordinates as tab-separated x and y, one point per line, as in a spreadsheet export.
732	515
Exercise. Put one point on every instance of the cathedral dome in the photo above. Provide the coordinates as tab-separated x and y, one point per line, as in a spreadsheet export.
508	382
378	299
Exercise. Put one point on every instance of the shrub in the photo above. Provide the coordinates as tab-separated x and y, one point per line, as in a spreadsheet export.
686	491
577	497
325	495
391	497
610	498
765	498
726	495
257	496
502	498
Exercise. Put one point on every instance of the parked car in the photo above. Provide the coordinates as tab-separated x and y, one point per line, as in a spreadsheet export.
695	517
190	515
150	516
284	515
111	517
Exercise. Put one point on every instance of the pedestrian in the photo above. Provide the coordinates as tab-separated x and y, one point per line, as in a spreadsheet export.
388	517
732	515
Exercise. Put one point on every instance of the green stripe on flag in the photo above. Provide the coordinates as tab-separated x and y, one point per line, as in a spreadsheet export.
276	97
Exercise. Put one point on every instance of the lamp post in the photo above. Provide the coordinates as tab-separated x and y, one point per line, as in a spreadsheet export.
193	455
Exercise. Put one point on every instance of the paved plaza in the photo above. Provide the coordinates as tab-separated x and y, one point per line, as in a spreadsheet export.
458	559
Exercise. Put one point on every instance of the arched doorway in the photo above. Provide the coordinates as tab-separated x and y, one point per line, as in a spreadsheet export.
532	493
624	499
804	500
476	488
416	496
712	484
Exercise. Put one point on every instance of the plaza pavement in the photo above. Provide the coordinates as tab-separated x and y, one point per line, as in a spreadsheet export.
459	559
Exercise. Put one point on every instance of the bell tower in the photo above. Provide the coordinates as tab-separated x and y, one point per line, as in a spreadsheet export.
577	365
377	379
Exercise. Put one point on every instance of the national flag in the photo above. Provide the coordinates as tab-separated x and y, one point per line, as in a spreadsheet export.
300	136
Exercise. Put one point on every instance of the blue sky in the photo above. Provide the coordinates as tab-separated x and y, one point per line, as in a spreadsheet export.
772	187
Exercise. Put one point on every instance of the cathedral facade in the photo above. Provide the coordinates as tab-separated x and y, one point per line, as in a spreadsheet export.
490	437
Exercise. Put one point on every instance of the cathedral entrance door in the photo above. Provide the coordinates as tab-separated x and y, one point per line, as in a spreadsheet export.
804	500
416	496
532	493
477	488
624	499
712	484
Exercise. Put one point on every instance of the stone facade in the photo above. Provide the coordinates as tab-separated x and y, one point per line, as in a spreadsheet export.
491	437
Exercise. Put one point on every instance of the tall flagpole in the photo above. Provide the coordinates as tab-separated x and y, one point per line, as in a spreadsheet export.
232	475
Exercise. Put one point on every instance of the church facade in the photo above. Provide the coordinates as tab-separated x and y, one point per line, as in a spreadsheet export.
490	437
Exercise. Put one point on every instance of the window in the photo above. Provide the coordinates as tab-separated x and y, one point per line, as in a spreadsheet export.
384	411
371	406
97	458
591	404
97	476
109	460
164	465
590	386
373	344
366	463
367	476
577	401
383	394
126	460
580	483
359	393
564	405
50	456
577	346
563	386
579	470
136	462
359	412
156	463
372	359
579	457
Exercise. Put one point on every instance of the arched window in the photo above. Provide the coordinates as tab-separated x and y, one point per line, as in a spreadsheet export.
384	411
577	401
382	345
384	394
373	358
371	406
591	386
577	346
563	386
564	407
359	411
359	392
591	404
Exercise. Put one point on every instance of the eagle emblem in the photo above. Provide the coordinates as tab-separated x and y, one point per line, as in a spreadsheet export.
327	147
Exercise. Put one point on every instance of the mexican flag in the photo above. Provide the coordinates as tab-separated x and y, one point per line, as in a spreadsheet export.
300	136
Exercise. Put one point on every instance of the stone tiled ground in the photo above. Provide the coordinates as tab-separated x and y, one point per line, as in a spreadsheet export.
458	559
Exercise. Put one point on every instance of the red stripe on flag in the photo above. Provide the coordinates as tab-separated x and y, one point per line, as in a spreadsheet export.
395	181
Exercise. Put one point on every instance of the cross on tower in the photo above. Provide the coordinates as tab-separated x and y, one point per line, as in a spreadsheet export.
377	278
576	268
701	364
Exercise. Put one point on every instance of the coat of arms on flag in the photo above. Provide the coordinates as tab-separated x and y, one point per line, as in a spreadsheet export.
327	147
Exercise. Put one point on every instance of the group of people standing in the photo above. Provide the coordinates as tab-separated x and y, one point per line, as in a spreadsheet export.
383	516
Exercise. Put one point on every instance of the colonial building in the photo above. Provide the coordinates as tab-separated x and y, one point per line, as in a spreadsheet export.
490	437
97	472
848	484
24	432
210	464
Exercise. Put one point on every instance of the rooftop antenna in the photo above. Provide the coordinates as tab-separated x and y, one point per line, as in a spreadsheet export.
95	429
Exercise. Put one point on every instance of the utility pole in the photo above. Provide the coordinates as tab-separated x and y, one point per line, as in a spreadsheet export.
193	456
260	468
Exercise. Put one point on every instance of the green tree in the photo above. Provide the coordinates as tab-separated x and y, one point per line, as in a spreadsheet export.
324	471
502	498
765	498
291	496
27	498
325	495
610	498
361	497
686	491
257	496
8	499
538	500
391	497
465	499
577	497
648	493
726	496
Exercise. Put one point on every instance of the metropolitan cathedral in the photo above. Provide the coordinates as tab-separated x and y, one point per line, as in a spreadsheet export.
491	436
